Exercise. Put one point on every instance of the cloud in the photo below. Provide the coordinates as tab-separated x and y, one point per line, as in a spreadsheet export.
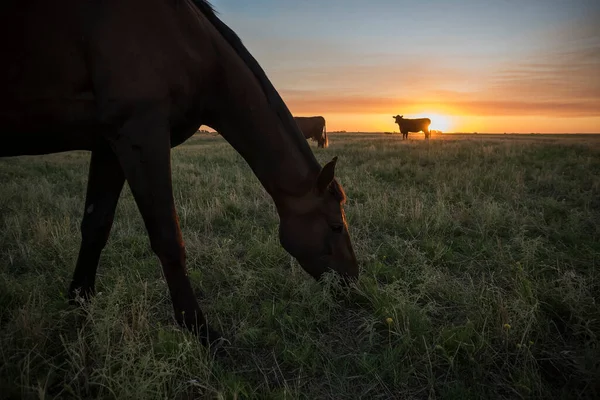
572	74
564	83
527	108
315	75
411	79
309	102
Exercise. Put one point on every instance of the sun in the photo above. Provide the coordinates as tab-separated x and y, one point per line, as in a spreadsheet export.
439	122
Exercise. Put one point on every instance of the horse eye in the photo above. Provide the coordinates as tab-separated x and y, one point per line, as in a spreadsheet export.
337	228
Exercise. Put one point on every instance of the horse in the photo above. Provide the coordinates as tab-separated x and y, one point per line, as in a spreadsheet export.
128	80
413	125
314	128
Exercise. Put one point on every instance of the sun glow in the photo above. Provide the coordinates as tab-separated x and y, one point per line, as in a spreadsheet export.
439	122
383	122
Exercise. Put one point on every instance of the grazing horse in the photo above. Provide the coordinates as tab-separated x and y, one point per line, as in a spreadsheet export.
314	128
413	125
130	79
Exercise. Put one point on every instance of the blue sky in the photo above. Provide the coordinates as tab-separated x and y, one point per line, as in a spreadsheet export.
503	60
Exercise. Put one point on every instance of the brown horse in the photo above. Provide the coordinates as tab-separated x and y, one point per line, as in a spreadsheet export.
130	79
314	128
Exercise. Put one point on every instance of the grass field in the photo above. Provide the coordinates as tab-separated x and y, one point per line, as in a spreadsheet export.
480	262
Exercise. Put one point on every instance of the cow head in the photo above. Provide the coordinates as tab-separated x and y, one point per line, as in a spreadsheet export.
313	228
398	118
323	140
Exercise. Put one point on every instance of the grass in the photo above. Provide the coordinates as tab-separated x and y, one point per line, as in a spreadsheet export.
480	278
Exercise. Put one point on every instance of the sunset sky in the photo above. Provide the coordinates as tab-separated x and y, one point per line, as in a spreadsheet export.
471	65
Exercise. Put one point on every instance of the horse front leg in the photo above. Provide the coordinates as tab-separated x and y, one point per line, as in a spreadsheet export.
143	149
105	182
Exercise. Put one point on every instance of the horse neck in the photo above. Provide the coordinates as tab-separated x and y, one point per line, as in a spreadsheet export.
271	143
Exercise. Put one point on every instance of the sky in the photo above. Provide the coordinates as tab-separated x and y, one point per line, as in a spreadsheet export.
474	65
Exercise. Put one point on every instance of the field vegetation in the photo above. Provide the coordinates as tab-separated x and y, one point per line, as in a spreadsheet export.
480	262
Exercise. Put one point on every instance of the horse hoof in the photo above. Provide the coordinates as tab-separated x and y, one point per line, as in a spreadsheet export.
80	295
214	341
218	348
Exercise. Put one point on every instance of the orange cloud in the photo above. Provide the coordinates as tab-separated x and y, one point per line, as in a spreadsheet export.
555	88
555	84
317	103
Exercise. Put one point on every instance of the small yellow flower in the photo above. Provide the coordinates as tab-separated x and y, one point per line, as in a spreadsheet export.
389	320
506	326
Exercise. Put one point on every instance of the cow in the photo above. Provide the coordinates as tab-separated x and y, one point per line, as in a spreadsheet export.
314	128
413	125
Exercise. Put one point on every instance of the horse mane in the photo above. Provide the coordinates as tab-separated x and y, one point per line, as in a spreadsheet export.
273	97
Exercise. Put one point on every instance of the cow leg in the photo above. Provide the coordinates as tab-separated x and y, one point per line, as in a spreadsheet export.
143	149
105	182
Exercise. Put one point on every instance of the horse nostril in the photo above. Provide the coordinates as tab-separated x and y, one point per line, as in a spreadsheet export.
337	228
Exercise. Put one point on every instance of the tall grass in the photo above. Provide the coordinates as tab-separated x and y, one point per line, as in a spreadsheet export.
479	279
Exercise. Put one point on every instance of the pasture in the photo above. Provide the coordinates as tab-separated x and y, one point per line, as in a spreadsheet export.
480	278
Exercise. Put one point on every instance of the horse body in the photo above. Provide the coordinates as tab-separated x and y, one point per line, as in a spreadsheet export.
407	125
62	94
314	128
128	80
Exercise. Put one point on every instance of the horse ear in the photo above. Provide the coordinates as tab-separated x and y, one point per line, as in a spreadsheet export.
326	175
